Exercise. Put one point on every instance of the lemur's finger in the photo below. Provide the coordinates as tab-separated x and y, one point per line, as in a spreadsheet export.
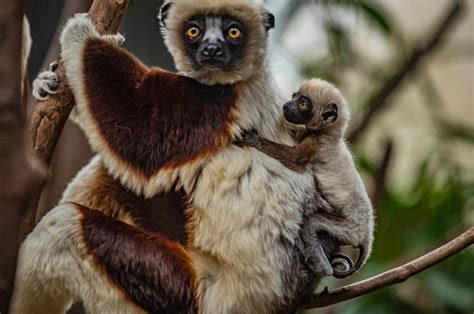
116	39
53	66
81	15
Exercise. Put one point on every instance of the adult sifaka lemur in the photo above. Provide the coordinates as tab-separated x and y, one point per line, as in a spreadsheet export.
115	241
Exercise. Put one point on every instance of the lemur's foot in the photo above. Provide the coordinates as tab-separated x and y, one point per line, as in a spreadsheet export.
314	255
317	261
46	83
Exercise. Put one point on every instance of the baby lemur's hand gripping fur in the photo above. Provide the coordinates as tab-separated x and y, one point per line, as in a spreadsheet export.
322	110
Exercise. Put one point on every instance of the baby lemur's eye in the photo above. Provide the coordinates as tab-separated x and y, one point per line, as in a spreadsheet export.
193	32
304	104
234	33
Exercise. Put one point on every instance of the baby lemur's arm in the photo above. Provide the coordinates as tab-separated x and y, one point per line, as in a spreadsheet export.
294	157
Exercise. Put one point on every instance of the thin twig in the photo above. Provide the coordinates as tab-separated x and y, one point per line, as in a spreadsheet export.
394	276
49	117
378	99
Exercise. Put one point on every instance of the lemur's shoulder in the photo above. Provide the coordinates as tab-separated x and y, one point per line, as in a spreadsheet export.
144	120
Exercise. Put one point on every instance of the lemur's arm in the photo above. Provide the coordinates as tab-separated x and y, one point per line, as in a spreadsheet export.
141	120
294	157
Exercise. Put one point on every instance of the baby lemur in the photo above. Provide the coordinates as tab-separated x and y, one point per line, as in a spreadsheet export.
318	113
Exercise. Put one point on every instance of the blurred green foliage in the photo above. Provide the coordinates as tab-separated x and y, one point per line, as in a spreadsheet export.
433	207
427	213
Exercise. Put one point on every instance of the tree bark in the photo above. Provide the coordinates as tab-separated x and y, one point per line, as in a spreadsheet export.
18	171
49	117
70	8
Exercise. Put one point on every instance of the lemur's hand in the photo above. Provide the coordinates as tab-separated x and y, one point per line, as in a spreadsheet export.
249	138
80	27
46	83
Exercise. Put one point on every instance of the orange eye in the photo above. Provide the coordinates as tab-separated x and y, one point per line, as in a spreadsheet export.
234	33
193	32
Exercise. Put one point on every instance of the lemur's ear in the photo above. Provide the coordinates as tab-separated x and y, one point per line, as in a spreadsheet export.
163	13
330	114
268	21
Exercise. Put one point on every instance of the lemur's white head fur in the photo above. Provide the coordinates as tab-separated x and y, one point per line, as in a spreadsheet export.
252	14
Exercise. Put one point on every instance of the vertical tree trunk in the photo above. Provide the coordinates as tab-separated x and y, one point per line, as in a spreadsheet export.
29	220
18	171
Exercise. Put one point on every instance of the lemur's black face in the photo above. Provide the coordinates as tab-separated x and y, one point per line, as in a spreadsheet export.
214	41
299	110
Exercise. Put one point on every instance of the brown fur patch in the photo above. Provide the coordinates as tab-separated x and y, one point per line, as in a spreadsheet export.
163	213
153	272
153	119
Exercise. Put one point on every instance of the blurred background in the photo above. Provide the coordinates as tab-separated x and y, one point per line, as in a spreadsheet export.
406	68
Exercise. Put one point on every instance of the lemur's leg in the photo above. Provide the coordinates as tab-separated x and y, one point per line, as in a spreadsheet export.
55	269
79	254
315	257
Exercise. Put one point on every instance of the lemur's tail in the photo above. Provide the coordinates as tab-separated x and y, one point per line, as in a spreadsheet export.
340	260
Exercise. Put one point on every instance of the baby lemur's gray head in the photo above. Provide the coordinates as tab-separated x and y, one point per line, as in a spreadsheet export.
320	107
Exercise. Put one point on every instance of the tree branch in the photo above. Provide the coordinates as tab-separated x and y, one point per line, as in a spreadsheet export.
49	117
394	276
378	99
70	7
380	175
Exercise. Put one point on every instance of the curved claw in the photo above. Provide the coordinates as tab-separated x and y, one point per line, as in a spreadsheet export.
349	267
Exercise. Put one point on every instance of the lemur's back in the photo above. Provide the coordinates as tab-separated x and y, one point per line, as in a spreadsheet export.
337	177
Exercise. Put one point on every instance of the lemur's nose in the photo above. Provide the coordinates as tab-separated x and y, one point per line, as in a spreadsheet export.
212	50
286	106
